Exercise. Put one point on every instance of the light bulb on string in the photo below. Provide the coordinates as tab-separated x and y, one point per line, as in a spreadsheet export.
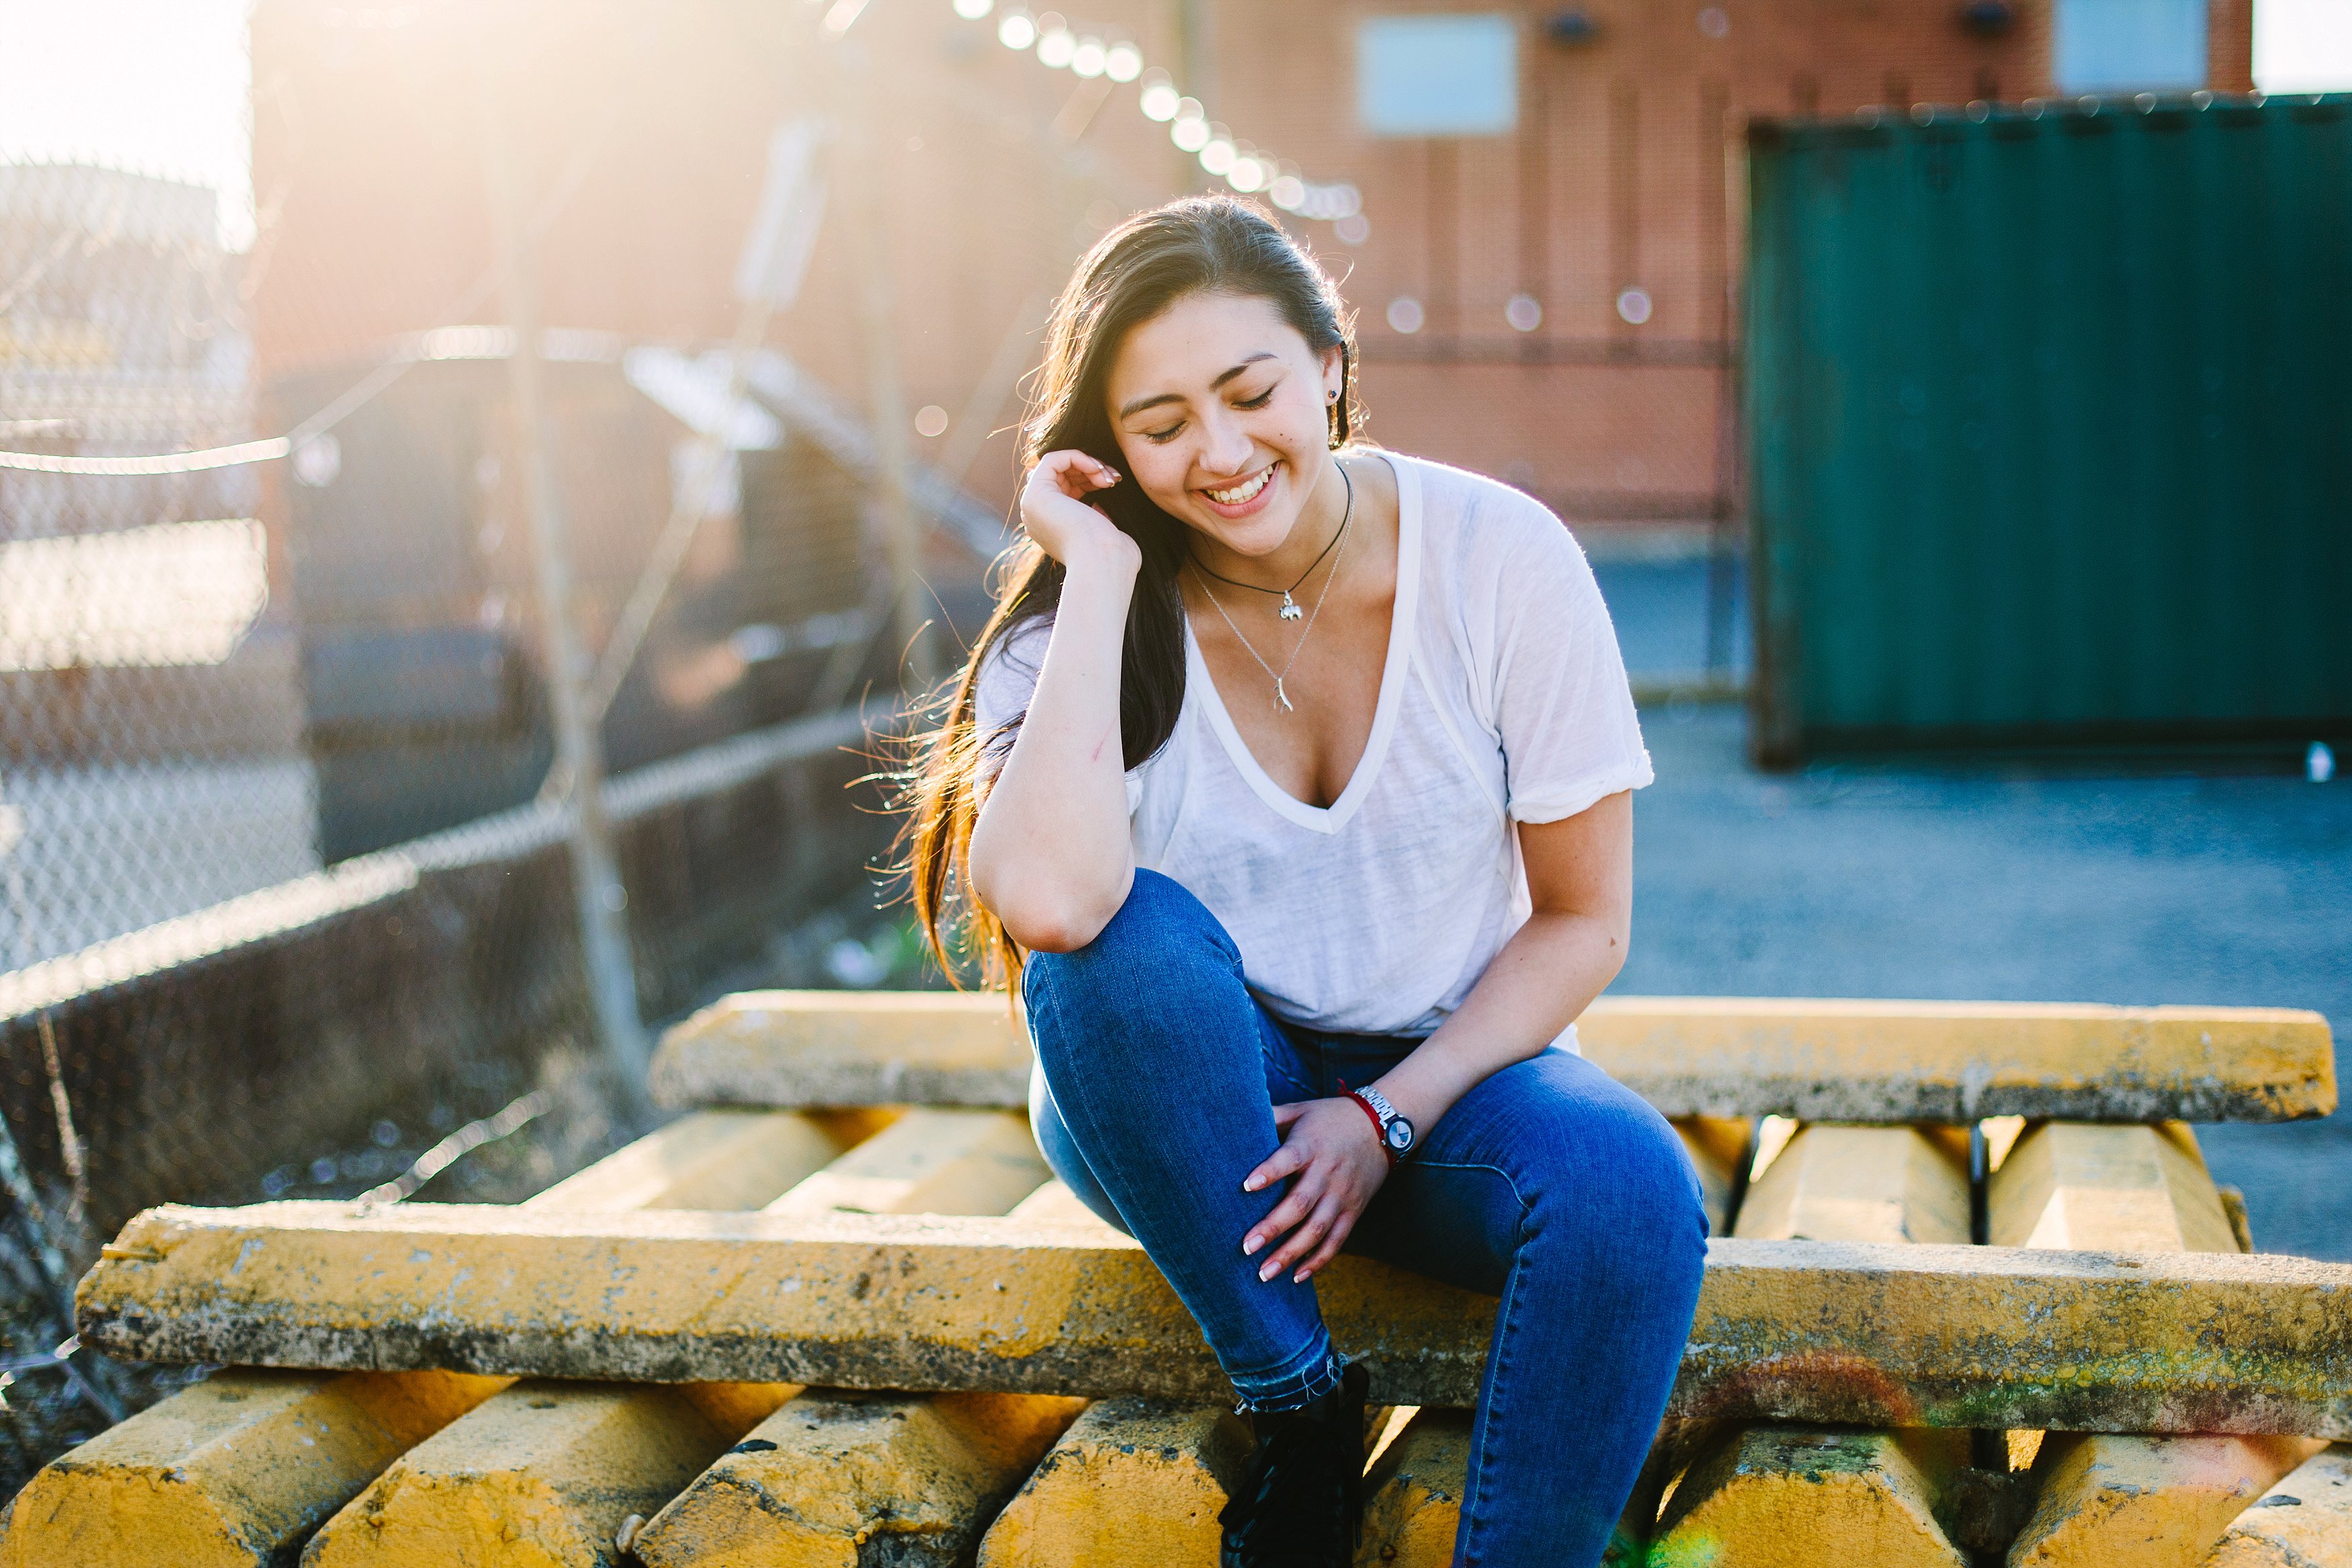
1056	42
1087	59
1158	98
1191	130
973	10
1015	30
1123	62
1217	154
1247	176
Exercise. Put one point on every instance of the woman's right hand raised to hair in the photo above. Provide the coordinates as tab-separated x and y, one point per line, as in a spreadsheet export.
1065	525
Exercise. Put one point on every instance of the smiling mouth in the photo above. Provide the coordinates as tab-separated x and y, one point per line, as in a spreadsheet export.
1246	491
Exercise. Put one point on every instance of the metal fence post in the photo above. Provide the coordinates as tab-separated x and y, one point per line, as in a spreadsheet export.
597	889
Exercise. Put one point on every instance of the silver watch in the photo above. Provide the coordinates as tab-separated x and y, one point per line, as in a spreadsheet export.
1396	1130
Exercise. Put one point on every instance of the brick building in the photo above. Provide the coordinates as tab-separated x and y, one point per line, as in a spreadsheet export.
1544	262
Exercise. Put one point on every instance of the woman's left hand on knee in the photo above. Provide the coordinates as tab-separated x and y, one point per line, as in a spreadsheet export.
1335	1163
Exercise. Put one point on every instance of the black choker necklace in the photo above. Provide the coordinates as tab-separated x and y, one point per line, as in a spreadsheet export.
1289	611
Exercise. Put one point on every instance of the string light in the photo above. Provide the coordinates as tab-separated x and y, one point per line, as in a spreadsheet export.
1242	167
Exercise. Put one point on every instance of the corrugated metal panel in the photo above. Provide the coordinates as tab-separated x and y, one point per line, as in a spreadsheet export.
2051	424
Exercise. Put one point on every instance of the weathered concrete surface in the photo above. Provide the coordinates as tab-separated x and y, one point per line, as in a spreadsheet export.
2116	1501
2136	1189
1811	1332
1866	1492
713	1159
1863	1184
1827	1061
540	1477
2304	1521
832	1477
846	1048
2125	1501
252	1462
840	1479
1786	1497
234	1473
1054	1204
1718	1146
1134	1480
1413	1493
928	1162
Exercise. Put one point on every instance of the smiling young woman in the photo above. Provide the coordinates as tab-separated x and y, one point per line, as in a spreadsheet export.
1291	780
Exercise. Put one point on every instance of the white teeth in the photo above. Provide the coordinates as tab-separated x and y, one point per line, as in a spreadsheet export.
1241	493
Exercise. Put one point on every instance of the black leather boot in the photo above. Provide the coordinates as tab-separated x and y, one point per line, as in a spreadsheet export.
1301	1504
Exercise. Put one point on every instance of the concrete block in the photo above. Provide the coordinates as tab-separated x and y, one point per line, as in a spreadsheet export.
1717	1147
1893	1062
244	1466
1812	1332
2304	1521
1787	1496
235	1472
714	1159
1134	1480
1054	1204
1863	1184
2114	1502
1413	1493
928	1162
841	1479
540	1477
2122	1189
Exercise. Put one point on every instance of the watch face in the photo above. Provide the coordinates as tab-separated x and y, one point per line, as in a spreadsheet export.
1400	1134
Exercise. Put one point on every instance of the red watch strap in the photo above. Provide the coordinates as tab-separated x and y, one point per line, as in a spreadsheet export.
1380	1131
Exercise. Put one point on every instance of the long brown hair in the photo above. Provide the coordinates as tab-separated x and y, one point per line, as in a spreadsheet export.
1200	245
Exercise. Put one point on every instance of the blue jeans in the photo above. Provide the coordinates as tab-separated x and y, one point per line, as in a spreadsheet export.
1548	1185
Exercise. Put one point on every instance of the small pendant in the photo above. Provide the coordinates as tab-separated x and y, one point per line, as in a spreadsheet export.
1281	697
1289	611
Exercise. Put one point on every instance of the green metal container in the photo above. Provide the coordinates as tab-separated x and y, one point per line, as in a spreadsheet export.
2050	414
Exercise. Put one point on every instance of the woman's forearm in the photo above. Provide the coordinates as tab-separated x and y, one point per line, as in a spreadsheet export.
1050	854
1542	980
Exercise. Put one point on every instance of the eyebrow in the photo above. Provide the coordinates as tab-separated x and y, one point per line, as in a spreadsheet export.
1140	404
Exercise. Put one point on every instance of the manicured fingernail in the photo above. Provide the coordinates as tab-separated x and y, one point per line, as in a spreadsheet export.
1300	1277
1251	1246
1265	1273
1252	1185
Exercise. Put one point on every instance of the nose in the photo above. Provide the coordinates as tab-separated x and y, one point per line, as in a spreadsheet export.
1225	447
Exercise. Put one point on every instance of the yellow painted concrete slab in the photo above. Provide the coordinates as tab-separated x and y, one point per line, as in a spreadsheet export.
1811	1332
2113	1502
2304	1521
2135	1189
540	1477
1787	1497
236	1470
243	1467
713	1159
1134	1480
928	1162
1413	1493
1718	1146
1833	1060
840	1479
1863	1184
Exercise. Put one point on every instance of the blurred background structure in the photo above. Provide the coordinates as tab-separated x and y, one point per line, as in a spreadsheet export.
470	470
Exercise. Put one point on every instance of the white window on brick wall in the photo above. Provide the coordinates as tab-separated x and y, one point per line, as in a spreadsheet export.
2128	46
1455	74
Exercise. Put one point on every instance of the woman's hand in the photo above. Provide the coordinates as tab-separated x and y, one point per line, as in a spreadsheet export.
1333	1154
1055	510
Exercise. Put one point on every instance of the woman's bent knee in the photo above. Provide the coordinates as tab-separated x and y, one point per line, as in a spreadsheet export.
1160	933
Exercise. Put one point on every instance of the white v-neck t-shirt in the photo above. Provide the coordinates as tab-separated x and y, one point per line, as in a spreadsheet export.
1503	700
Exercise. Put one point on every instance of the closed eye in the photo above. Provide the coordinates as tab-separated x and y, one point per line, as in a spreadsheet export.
1258	401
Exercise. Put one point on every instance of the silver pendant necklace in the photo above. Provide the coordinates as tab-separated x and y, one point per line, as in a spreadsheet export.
1290	610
